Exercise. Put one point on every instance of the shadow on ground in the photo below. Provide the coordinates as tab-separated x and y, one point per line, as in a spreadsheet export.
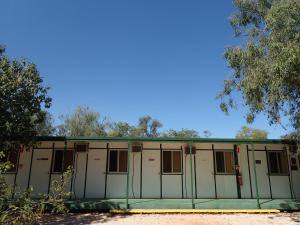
80	218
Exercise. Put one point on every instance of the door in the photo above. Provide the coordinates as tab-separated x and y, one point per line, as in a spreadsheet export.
151	174
79	174
204	174
262	174
95	180
40	171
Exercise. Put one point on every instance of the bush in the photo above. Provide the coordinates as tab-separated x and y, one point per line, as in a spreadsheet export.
24	209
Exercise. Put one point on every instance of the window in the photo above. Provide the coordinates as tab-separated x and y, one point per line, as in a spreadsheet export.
58	165
278	162
118	161
224	162
12	157
172	161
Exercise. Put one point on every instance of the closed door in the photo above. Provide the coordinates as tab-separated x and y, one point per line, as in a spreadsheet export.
262	174
151	174
95	180
204	174
40	171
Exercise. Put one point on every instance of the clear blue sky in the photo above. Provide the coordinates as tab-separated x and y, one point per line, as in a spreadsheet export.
130	58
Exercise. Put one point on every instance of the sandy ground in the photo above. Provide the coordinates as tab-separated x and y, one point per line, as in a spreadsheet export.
173	219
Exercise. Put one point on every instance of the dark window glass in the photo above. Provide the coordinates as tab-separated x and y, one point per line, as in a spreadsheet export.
282	159
113	161
273	162
278	162
167	162
123	161
220	162
68	159
176	161
58	158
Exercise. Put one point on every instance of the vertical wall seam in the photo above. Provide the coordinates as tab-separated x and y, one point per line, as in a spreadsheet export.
106	170
30	167
160	170
73	170
51	166
16	173
195	175
290	173
249	172
141	173
237	173
214	163
85	176
267	158
181	172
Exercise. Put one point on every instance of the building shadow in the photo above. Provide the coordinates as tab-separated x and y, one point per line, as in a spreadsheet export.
80	218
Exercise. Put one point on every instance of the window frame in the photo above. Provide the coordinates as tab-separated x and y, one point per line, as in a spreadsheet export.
63	169
118	161
172	162
279	173
233	162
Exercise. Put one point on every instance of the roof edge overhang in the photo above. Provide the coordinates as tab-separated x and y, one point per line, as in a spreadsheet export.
166	139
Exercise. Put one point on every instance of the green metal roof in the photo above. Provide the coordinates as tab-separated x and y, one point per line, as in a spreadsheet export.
165	139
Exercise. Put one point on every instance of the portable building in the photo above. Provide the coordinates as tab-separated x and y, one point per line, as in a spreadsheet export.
175	168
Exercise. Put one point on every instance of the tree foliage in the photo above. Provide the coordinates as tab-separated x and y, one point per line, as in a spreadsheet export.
83	122
120	129
183	133
266	69
147	127
22	100
46	128
251	133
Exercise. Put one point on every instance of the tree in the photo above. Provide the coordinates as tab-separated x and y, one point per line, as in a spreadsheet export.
46	128
183	133
207	133
266	69
83	122
147	127
121	129
251	133
23	98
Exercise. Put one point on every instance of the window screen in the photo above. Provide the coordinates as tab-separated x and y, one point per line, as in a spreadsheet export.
278	162
224	162
172	161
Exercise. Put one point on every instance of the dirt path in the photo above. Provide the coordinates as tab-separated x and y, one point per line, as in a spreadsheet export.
174	219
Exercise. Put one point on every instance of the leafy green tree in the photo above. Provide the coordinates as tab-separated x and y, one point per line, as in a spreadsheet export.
46	128
147	127
266	68
251	133
83	122
183	133
121	129
23	98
